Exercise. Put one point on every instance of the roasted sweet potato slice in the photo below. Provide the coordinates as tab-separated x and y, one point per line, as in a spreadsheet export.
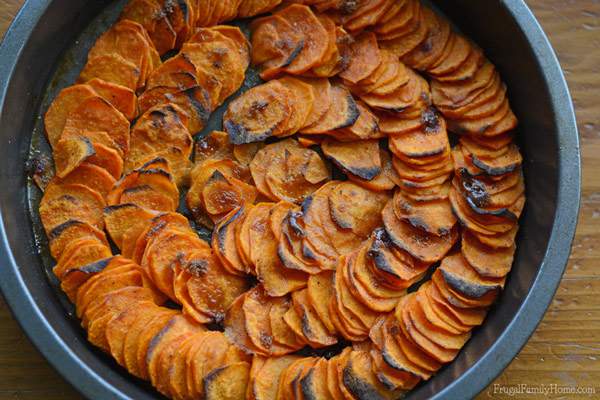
291	250
281	331
111	68
353	311
222	194
118	326
266	381
206	357
223	242
210	287
237	36
176	368
442	299
487	261
220	58
304	22
275	45
313	385
259	113
228	382
386	180
319	290
70	153
92	176
295	174
60	236
364	56
76	276
301	102
426	247
322	100
179	326
263	254
343	112
399	268
235	326
262	160
444	339
257	307
170	248
462	278
360	158
361	382
214	146
313	328
119	218
435	217
154	327
96	114
67	101
122	98
62	203
176	72
111	305
355	208
431	348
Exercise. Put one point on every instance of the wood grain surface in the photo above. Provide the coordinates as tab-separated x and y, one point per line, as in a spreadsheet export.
565	349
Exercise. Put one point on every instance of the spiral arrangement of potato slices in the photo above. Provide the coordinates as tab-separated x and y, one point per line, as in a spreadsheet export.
353	247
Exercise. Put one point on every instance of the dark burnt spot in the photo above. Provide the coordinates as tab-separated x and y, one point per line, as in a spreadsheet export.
308	253
426	46
266	340
359	387
294	218
430	120
469	289
197	268
39	169
96	267
475	190
156	160
60	229
294	53
348	6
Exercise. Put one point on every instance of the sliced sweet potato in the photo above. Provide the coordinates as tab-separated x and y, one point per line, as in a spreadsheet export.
96	114
122	98
401	99
67	101
266	381
228	382
282	333
442	299
444	339
360	158
295	174
432	47
435	217
322	100
61	235
343	112
210	287
257	307
117	328
92	176
177	368
301	102
219	60
195	101
235	327
475	79
179	326
222	194
261	161
432	349
365	58
170	248
399	269
426	247
153	328
62	203
355	208
332	60
237	36
259	113
353	311
107	158
207	357
402	39
313	328
263	253
290	249
319	291
425	143
361	382
214	146
275	45
304	22
462	278
70	153
223	242
111	305
119	218
386	180
111	68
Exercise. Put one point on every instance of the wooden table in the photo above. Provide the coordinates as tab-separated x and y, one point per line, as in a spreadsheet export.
565	349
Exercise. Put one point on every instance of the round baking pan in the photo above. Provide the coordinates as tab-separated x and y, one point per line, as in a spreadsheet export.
34	50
